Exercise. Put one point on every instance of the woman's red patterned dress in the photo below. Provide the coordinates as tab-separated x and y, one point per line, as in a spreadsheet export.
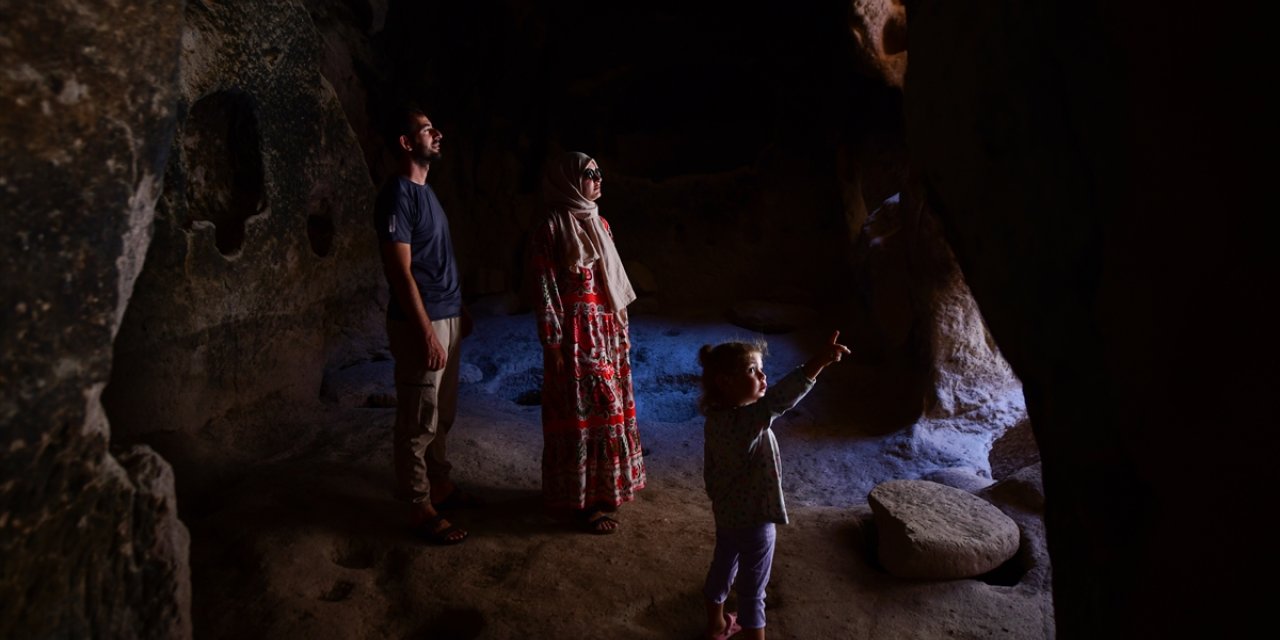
591	445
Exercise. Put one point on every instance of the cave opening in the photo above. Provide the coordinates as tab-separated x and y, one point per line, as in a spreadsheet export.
1075	154
754	179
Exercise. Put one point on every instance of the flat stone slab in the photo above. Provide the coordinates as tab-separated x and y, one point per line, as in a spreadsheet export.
929	530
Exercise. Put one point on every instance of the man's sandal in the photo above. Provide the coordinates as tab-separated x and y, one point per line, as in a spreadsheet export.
430	531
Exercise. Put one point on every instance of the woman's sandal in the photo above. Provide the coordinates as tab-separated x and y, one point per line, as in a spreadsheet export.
597	522
430	531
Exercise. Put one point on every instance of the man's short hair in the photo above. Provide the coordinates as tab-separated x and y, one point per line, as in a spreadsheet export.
403	121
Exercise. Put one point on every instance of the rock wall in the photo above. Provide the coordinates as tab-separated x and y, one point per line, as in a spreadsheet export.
263	268
90	542
182	183
1077	154
921	310
942	378
879	29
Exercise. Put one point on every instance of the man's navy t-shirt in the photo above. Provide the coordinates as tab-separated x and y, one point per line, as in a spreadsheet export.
409	213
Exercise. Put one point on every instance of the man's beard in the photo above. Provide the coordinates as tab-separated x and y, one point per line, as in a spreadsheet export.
425	155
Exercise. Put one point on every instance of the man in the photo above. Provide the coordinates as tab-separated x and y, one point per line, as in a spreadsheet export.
426	321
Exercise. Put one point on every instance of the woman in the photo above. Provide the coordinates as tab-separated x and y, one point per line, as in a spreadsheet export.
591	457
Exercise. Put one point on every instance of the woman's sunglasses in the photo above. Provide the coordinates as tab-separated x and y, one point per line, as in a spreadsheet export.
594	174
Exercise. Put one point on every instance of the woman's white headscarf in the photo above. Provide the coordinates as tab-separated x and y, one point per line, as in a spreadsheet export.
584	241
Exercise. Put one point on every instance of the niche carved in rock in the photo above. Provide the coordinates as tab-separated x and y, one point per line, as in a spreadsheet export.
223	154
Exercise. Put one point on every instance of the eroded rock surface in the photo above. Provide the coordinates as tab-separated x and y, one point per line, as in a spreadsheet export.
90	542
263	268
879	29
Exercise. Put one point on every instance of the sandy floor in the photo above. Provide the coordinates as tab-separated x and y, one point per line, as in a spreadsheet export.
310	545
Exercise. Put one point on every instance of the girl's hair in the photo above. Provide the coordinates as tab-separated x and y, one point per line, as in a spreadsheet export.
720	359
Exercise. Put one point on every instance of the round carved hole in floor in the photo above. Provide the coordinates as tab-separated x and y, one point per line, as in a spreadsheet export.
453	624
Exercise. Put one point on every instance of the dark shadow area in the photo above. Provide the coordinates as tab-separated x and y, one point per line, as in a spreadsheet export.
861	532
511	511
681	89
1011	572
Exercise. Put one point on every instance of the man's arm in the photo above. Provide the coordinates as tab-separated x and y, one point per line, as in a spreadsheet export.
396	258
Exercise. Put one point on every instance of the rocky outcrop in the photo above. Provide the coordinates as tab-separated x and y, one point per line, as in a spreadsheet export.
263	269
1013	450
919	301
879	29
90	541
1095	169
955	394
932	531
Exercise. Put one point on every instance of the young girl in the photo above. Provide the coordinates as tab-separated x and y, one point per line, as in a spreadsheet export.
743	473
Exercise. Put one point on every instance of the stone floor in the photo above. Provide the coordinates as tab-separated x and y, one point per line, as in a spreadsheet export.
305	542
